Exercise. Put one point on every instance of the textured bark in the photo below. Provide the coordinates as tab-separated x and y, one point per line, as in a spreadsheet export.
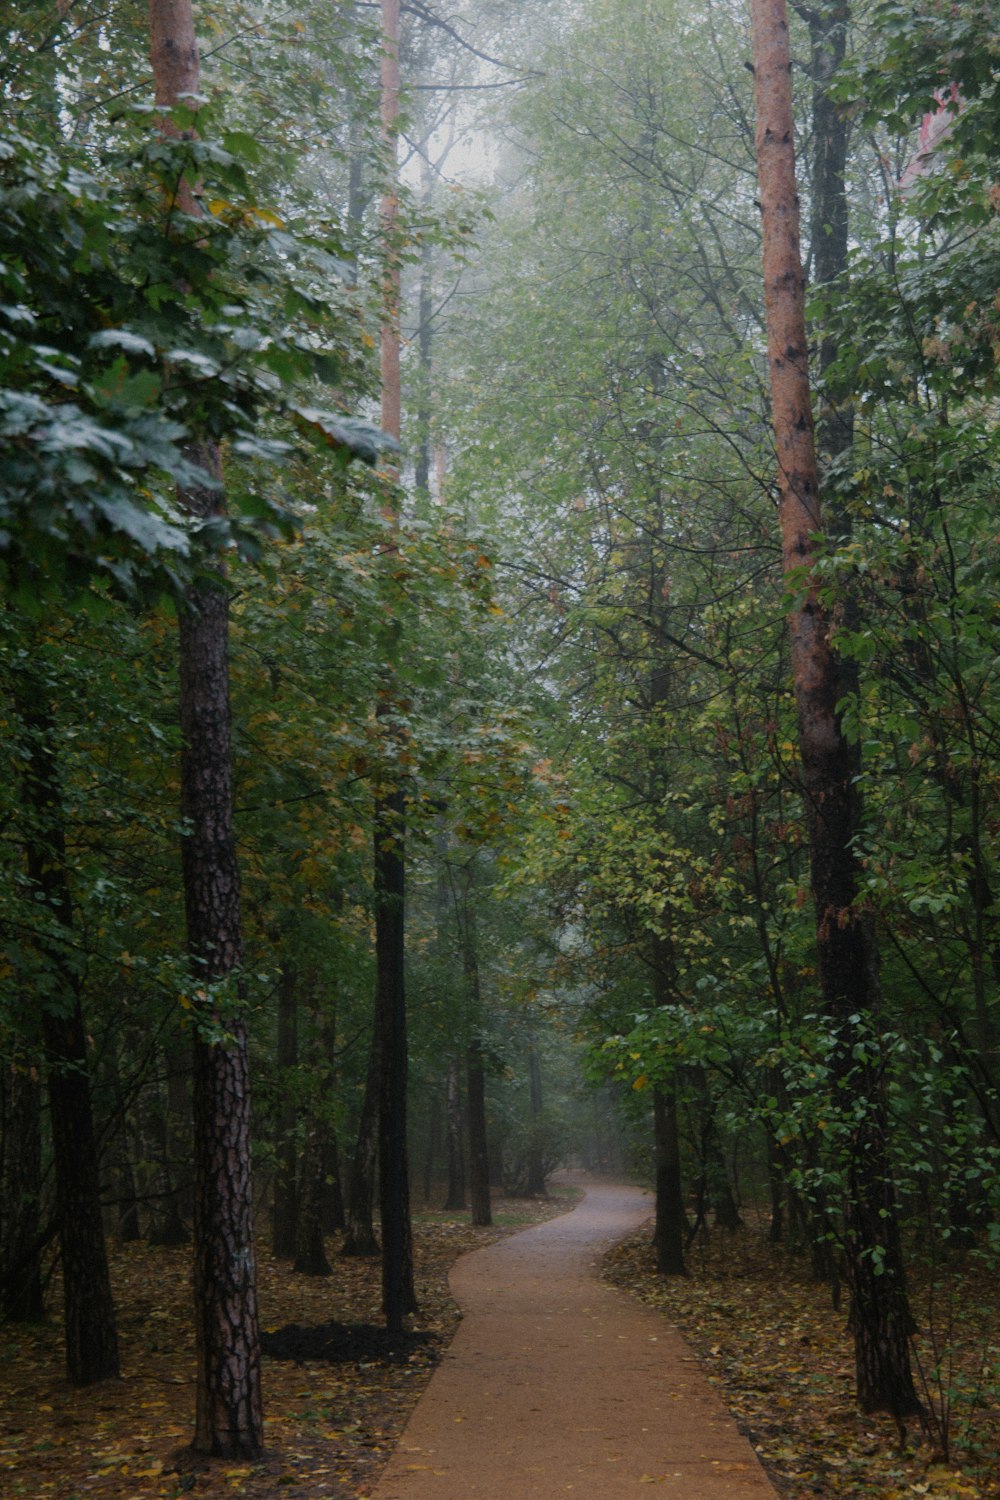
229	1417
91	1335
21	1298
847	963
456	1156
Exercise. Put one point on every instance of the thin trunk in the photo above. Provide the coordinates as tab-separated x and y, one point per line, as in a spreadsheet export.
398	1294
671	1219
310	1253
284	1211
433	1141
168	1149
456	1156
880	1314
91	1333
476	1079
479	1156
21	1298
359	1236
535	1182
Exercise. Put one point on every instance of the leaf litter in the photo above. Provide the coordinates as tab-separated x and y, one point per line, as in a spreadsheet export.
770	1340
337	1393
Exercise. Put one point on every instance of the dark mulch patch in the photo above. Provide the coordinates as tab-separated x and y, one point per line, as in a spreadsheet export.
349	1343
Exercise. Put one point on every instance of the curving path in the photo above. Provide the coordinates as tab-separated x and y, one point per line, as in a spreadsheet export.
558	1385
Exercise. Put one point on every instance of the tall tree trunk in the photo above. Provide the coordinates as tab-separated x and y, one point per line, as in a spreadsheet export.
284	1211
398	1295
21	1298
880	1315
91	1333
456	1156
229	1416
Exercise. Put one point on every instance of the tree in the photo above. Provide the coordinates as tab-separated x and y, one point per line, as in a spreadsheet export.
880	1315
229	1415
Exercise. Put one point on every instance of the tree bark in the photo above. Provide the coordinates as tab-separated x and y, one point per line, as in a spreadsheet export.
847	963
229	1420
229	1416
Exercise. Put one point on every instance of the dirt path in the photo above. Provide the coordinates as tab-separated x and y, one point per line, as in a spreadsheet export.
556	1384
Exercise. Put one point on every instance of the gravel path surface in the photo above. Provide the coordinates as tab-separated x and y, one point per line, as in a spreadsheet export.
558	1385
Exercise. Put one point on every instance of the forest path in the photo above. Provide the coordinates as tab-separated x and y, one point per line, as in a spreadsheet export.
557	1384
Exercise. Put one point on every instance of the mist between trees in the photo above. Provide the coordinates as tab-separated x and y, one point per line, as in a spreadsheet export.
499	554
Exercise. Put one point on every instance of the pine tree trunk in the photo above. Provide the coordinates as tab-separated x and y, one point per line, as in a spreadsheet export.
229	1416
229	1420
847	963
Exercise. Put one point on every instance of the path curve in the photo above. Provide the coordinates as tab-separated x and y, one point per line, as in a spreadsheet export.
559	1385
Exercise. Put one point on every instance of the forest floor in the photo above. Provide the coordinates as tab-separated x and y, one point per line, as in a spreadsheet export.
333	1413
767	1335
781	1356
